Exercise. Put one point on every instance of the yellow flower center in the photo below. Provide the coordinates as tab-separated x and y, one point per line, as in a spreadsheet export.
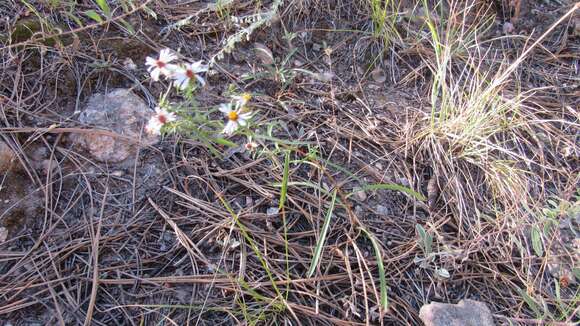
233	115
246	97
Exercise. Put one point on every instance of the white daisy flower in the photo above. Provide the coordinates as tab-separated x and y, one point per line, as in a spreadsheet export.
236	117
161	66
242	100
157	121
184	76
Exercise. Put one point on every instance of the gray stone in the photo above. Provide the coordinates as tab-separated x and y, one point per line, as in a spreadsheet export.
121	112
382	210
379	75
360	194
465	313
272	211
3	234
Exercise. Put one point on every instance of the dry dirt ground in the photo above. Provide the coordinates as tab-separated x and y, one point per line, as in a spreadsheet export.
151	240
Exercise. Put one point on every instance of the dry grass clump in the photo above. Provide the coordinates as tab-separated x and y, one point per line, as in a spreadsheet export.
487	140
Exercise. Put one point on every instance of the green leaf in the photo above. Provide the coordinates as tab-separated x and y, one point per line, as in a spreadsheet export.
530	302
75	19
284	189
321	240
104	7
94	16
225	142
537	241
382	278
128	26
426	239
283	194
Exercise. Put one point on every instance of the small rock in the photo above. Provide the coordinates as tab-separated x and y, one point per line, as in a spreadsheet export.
272	211
122	112
382	210
48	166
129	64
3	234
379	75
117	173
404	182
360	194
554	269
323	76
465	313
508	28
7	157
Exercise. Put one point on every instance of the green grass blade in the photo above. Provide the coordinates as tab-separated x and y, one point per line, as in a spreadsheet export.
104	7
283	194
381	267
530	302
284	185
321	240
537	242
94	16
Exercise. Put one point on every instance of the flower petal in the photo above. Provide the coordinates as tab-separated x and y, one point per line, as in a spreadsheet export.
245	115
155	74
225	108
150	61
198	66
200	80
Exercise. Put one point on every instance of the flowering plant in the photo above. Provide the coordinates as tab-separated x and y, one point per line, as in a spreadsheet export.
185	77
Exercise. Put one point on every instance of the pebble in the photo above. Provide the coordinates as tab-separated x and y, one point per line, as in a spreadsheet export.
382	210
360	195
272	211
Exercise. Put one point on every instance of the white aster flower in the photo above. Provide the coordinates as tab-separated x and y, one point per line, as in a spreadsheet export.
184	76
236	117
157	121
242	100
161	66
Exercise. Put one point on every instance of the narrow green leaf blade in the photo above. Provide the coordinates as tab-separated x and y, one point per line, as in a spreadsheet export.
284	189
94	16
128	26
321	240
104	7
530	302
537	242
381	267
